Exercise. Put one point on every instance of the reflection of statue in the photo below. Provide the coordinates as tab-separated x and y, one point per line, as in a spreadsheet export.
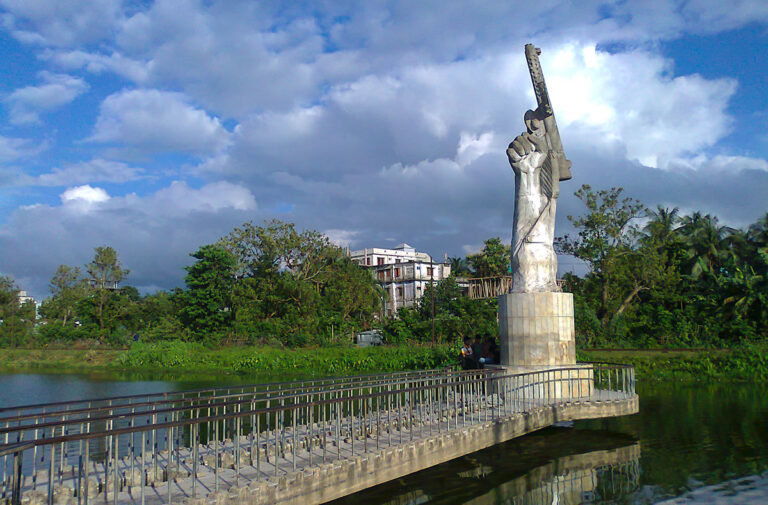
537	158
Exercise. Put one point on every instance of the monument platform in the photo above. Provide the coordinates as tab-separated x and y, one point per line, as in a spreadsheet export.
537	329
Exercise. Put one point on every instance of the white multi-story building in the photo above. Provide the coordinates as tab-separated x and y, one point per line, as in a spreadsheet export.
24	298
402	271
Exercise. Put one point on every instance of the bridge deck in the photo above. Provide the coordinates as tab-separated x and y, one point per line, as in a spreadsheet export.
224	445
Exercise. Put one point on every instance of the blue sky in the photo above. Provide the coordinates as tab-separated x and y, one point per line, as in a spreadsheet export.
156	127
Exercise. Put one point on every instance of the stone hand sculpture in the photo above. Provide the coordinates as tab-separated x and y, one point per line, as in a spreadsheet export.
534	262
539	163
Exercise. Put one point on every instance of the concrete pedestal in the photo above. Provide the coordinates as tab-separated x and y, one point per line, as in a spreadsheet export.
567	382
537	329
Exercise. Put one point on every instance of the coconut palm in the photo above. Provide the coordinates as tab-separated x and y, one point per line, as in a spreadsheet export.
663	222
707	243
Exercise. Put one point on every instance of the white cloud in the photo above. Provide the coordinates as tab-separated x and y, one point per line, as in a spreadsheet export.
26	103
179	198
12	148
630	97
342	238
158	121
97	63
379	123
95	170
154	234
85	194
60	22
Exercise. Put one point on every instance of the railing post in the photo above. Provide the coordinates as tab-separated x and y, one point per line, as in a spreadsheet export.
18	458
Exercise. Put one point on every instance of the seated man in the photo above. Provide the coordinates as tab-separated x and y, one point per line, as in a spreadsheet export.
467	356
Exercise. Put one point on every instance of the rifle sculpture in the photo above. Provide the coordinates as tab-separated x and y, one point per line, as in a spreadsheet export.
537	158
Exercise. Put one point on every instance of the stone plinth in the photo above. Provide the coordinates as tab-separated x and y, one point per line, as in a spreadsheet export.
537	329
567	382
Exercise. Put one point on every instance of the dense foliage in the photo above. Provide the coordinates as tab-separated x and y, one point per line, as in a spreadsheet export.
654	279
657	278
265	284
455	317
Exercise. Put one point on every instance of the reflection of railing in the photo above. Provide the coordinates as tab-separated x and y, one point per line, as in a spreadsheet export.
176	445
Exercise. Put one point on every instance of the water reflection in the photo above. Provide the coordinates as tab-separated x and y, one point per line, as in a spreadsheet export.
554	466
752	490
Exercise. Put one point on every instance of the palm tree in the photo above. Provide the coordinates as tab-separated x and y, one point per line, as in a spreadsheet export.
707	243
758	232
459	266
663	222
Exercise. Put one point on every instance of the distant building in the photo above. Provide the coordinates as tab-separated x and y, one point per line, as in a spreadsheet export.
403	272
24	298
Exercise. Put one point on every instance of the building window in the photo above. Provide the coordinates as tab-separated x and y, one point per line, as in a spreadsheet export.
368	261
381	276
430	271
397	272
379	261
397	261
399	292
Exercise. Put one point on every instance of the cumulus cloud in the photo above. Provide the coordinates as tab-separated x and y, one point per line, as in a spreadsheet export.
378	123
95	170
85	194
27	103
154	234
423	112
632	98
97	63
12	148
60	22
158	121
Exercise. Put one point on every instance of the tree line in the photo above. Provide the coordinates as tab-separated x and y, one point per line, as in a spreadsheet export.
258	284
652	277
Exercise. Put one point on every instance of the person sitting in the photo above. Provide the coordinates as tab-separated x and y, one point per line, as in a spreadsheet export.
477	351
489	351
467	356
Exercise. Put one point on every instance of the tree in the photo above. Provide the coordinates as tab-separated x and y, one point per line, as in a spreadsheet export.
68	288
9	308
492	261
206	305
459	266
105	272
707	243
608	240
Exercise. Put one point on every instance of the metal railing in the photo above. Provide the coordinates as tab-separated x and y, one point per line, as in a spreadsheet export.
168	447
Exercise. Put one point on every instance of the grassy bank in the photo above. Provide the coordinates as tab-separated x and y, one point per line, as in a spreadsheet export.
179	357
745	363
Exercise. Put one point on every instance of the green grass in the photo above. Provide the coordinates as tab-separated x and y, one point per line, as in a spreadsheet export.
179	357
747	363
744	363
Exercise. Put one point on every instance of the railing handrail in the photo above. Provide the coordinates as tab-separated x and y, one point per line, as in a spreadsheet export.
458	380
7	449
189	391
347	386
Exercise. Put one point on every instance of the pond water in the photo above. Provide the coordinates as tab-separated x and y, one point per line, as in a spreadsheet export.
690	443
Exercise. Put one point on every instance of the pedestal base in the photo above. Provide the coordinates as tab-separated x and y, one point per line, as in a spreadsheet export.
564	382
537	329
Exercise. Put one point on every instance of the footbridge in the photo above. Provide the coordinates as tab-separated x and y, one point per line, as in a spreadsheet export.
293	442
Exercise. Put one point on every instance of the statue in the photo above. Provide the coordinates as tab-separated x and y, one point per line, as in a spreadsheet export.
537	158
